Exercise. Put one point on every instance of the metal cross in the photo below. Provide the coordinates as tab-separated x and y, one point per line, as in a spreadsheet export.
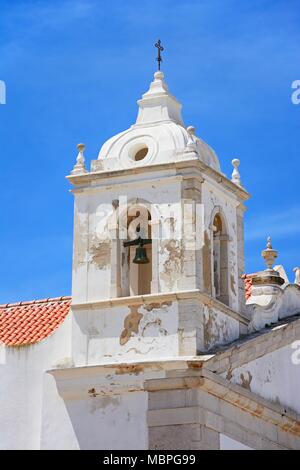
159	50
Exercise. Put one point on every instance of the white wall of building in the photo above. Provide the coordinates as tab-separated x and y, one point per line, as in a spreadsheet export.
95	423
21	387
95	408
273	376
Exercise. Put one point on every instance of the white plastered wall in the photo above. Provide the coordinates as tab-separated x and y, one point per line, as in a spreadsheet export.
21	387
275	376
85	420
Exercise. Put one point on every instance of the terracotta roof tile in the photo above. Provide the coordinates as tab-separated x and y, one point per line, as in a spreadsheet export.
30	322
248	284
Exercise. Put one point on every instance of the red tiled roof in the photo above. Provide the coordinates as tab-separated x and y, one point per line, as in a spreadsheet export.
30	322
248	284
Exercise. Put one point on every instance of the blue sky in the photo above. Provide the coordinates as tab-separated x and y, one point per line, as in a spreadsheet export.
73	72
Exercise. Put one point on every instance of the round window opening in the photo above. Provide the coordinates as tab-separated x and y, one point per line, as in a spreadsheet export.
140	154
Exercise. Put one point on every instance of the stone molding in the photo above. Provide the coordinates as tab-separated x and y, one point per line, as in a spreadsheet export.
252	347
270	303
222	407
163	297
86	179
189	374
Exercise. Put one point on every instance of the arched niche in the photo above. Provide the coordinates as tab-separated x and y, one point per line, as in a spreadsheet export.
219	257
136	279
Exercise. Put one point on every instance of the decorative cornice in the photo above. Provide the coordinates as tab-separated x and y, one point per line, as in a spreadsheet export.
163	297
272	413
267	277
85	180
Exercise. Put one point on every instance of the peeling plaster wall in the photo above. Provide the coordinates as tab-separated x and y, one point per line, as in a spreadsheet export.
92	269
21	387
139	331
273	376
122	332
170	267
218	328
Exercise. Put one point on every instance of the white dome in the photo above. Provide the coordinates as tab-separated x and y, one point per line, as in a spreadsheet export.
158	136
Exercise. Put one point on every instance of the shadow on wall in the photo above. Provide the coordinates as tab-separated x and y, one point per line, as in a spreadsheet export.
104	420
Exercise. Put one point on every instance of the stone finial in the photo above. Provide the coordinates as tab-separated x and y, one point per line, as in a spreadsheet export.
191	130
236	177
81	148
191	144
159	75
79	167
297	276
157	86
157	104
269	278
269	255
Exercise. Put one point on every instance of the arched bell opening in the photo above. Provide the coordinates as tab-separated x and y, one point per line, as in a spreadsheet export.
220	271
137	253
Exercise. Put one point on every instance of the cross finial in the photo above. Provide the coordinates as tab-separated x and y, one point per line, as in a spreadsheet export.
159	50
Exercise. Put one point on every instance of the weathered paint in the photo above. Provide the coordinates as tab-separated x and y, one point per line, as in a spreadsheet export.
149	330
273	376
152	329
131	325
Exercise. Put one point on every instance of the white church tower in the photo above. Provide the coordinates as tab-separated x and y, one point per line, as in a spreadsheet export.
159	182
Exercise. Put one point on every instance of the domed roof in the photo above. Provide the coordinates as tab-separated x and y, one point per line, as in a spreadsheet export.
158	136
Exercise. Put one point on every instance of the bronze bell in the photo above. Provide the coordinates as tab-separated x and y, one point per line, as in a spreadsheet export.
140	255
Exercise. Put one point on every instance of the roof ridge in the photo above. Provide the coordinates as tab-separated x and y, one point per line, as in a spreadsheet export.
38	301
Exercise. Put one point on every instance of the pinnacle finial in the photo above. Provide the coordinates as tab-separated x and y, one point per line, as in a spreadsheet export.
269	255
236	177
81	147
269	243
191	142
191	130
159	75
79	167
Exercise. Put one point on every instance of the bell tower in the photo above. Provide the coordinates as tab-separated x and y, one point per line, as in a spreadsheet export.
158	241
